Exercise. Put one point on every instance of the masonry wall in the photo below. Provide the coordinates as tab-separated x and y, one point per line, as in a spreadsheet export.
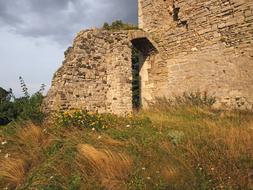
96	74
203	46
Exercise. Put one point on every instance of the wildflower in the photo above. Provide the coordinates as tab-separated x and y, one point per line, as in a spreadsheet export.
143	168
127	126
7	156
149	178
93	129
99	137
4	142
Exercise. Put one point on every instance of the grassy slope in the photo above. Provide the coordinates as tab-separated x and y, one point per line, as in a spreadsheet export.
183	148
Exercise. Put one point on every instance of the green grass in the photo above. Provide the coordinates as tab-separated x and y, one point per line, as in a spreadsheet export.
183	148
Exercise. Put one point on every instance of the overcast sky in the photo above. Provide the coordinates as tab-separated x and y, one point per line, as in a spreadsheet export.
35	33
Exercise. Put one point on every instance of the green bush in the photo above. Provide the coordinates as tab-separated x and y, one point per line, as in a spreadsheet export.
119	25
23	108
7	111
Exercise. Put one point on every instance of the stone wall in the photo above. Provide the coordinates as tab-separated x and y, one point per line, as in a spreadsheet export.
184	46
97	72
203	46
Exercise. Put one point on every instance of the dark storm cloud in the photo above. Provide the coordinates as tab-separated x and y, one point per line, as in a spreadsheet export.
61	19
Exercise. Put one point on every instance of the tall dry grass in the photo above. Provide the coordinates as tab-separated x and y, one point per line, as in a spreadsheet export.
31	140
224	153
25	151
110	167
13	171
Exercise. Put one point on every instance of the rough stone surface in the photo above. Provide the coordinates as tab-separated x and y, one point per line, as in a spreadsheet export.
204	45
184	45
97	72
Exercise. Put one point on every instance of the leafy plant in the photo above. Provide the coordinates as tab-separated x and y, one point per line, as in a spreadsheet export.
119	25
81	119
136	79
26	107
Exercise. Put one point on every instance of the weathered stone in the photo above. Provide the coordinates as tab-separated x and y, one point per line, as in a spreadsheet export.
213	28
184	46
105	86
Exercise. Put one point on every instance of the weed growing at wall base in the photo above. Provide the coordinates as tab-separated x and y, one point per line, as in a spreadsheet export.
191	99
81	119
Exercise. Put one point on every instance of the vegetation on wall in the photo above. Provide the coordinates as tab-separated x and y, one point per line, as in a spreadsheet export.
119	25
136	96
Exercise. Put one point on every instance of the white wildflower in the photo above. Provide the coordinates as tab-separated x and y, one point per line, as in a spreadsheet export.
143	168
149	178
93	129
99	137
127	126
4	142
7	156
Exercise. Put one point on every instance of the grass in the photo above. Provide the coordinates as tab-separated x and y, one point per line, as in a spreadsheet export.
176	147
111	168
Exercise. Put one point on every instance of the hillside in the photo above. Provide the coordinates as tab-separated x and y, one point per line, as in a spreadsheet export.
179	148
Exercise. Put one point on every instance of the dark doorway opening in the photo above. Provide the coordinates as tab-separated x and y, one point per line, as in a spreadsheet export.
136	84
142	48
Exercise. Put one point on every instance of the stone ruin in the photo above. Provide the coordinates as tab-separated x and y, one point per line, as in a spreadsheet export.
183	45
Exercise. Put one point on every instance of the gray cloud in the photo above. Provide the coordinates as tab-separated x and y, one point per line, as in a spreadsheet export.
61	19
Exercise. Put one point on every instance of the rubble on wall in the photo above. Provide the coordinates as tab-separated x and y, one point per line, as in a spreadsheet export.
96	74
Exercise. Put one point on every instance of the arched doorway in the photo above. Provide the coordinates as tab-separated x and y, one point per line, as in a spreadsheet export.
142	50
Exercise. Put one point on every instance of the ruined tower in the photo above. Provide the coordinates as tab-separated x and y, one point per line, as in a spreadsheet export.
184	46
204	46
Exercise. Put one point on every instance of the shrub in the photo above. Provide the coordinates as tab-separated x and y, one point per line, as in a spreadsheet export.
119	25
29	108
23	108
7	109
